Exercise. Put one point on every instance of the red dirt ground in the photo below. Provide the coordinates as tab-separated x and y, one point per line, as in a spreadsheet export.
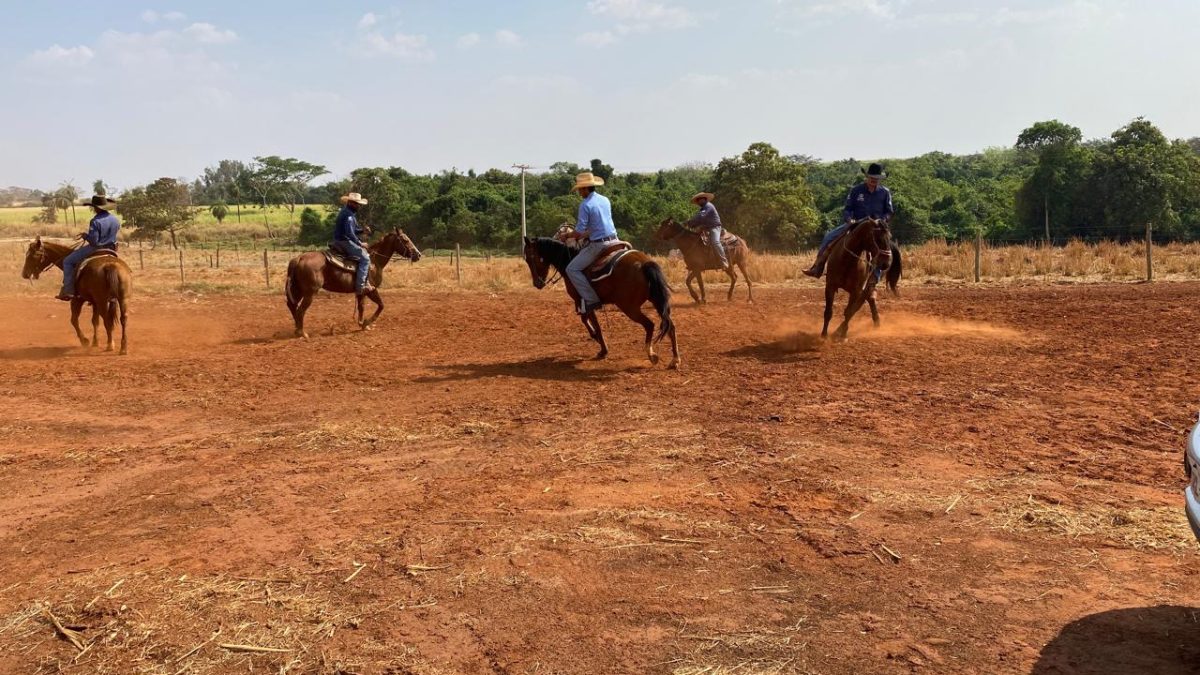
512	508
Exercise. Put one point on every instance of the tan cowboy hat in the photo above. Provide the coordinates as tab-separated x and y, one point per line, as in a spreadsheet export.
702	195
354	197
100	202
586	179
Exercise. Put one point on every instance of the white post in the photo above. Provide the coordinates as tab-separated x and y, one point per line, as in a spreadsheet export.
523	168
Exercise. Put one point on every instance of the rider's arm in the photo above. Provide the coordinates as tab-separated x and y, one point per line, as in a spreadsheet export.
93	234
583	222
352	230
848	212
888	209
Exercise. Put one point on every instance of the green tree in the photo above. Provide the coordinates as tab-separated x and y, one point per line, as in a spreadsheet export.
1059	158
313	230
68	194
284	180
49	213
162	206
1142	177
602	170
98	187
765	197
219	211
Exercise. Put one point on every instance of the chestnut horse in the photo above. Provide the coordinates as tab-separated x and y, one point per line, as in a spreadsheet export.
104	284
310	272
853	261
635	279
698	257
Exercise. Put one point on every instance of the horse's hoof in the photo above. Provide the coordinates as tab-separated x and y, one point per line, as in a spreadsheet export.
654	359
601	356
675	363
124	351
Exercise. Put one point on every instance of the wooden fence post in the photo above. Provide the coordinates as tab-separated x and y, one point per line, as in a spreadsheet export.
978	255
218	256
180	267
1149	253
266	268
458	264
141	259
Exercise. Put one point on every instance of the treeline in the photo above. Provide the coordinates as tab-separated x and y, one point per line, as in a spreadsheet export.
1051	184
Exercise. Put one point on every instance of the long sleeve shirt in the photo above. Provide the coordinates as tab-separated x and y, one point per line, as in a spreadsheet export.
706	219
862	203
595	217
347	227
103	230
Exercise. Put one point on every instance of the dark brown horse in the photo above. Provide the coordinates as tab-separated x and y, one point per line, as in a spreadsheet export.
104	284
310	272
635	279
699	257
853	261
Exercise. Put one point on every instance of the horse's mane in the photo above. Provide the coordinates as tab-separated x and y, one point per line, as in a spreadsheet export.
554	252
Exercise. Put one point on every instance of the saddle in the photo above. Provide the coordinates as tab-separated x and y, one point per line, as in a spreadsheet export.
728	239
339	260
607	262
98	254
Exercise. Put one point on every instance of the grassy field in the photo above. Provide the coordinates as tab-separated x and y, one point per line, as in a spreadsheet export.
18	222
241	268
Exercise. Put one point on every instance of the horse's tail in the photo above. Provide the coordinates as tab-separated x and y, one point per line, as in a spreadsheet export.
116	290
660	296
287	284
893	273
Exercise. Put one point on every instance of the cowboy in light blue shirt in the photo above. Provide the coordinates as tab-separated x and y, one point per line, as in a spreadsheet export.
595	225
346	240
102	233
868	199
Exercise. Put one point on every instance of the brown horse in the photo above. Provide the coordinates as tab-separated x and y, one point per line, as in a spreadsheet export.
104	284
310	272
635	279
699	257
853	261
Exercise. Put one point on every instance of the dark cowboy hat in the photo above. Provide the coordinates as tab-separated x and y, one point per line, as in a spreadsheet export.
876	170
100	202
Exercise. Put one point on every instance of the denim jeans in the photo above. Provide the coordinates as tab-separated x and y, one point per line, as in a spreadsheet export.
359	254
71	263
577	271
714	240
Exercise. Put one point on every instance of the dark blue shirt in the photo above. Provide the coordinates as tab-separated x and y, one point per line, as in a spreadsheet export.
103	229
347	227
862	203
706	219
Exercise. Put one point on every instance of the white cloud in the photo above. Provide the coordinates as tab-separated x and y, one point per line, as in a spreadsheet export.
150	16
641	15
704	81
209	34
880	9
368	20
1076	10
597	38
507	38
467	41
537	84
174	16
403	46
63	56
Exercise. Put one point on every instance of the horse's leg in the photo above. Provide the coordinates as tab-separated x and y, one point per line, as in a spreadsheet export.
856	302
732	281
95	325
692	291
378	300
703	292
635	313
830	294
110	317
306	301
675	360
121	300
595	321
749	287
76	307
874	308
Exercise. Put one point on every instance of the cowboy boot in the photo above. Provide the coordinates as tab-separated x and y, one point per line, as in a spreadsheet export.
818	267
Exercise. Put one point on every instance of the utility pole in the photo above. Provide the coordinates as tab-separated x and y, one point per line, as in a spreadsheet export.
523	168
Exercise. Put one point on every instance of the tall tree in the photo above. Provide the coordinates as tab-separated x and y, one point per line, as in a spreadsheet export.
162	206
765	197
1142	178
284	180
1059	157
70	195
219	211
98	187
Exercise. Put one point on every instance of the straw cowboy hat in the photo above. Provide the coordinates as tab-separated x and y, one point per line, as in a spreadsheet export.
354	197
101	202
586	179
702	195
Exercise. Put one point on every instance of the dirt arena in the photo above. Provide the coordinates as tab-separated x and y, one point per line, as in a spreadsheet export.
989	484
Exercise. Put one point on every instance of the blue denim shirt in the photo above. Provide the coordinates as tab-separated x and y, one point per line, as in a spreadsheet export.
347	227
595	217
862	203
103	229
706	219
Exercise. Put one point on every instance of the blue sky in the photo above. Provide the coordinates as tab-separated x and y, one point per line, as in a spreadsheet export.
130	91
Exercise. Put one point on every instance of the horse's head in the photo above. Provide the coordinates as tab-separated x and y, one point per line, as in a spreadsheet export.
881	240
399	243
36	260
539	267
667	230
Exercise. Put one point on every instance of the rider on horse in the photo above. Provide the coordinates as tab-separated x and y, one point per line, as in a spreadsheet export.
595	225
709	220
868	199
101	234
346	239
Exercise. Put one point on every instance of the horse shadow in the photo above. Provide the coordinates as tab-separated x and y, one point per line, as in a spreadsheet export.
1162	640
546	368
789	349
37	353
